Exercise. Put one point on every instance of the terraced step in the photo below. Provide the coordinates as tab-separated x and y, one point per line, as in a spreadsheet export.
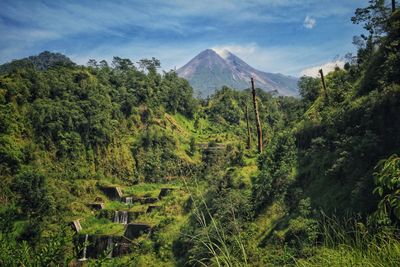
165	191
134	230
94	246
110	214
148	200
96	205
112	192
152	207
115	224
76	225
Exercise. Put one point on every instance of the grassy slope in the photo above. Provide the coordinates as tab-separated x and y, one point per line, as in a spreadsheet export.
168	220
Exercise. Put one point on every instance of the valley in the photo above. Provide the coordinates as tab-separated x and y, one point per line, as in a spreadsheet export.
118	163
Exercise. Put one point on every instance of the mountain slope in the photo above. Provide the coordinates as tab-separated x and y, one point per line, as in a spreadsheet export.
209	71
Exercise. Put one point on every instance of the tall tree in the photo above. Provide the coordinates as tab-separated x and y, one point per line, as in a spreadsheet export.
374	17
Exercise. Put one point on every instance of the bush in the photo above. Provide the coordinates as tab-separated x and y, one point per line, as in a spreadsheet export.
276	165
388	188
33	198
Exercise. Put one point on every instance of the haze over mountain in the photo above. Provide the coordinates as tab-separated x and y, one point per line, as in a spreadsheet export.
210	70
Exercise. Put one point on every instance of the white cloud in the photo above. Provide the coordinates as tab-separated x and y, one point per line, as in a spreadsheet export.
309	22
239	50
327	67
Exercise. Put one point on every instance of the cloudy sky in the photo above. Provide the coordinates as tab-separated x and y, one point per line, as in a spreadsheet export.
287	36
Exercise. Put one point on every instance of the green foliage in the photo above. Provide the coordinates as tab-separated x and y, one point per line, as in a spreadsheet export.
341	141
349	242
276	165
65	128
155	155
374	17
214	233
381	67
43	61
177	95
61	124
52	251
11	154
309	89
225	106
388	188
7	216
33	198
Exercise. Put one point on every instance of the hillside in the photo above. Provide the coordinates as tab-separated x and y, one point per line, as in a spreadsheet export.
116	164
41	62
209	71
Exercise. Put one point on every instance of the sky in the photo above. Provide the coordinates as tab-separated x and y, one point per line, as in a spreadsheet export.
293	37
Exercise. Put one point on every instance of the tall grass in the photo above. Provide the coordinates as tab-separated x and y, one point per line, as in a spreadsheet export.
349	242
212	235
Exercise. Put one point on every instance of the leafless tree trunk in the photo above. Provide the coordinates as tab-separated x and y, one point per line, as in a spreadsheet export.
393	6
258	124
248	145
323	84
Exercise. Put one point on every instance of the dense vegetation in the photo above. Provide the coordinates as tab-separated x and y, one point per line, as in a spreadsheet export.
325	190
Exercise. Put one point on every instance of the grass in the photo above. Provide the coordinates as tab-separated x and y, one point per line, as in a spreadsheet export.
116	205
101	226
185	123
150	189
374	255
348	242
212	235
268	220
246	172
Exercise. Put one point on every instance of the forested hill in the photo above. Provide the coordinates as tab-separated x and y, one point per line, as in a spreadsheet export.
116	164
74	111
43	61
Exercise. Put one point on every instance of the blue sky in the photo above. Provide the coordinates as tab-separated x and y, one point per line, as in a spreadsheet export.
287	36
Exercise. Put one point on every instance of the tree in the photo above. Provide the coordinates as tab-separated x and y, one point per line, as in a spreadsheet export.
150	65
374	18
103	64
92	63
123	64
309	89
33	197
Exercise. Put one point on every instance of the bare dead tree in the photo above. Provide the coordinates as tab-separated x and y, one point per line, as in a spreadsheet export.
248	144
323	84
258	124
393	6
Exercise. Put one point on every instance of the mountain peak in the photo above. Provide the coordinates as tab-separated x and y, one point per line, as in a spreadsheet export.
208	53
222	52
209	50
213	68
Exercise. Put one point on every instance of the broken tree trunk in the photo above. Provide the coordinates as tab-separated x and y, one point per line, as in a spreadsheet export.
323	84
258	124
248	144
